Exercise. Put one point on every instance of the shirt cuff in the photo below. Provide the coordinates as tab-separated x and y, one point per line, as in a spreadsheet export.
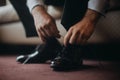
32	3
98	5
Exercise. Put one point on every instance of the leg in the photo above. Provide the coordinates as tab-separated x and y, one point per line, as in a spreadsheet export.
42	52
70	57
74	11
25	17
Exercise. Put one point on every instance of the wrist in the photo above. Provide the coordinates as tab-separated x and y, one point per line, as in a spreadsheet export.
38	10
92	16
40	14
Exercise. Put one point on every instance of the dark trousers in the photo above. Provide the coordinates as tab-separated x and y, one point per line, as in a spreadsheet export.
25	16
74	11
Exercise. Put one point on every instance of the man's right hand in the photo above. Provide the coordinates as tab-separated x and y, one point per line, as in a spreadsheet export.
45	24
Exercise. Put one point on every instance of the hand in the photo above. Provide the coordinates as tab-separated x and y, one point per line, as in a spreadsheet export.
80	32
45	24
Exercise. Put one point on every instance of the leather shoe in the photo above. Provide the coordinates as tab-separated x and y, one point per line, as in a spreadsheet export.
68	59
42	53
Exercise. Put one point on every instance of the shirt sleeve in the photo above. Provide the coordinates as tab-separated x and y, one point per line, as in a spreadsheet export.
32	3
98	5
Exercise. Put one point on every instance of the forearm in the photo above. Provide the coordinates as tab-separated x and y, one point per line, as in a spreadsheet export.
38	10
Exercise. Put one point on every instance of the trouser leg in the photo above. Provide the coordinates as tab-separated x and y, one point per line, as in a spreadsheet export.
74	11
25	16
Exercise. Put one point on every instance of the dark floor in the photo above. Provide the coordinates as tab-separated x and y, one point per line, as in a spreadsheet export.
92	70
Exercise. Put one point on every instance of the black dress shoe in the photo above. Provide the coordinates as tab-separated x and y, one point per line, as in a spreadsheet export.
42	53
69	58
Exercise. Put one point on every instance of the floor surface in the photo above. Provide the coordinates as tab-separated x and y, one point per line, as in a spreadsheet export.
92	70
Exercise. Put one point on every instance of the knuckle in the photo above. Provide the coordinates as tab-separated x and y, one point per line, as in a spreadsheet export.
71	28
41	27
77	32
49	21
71	42
45	27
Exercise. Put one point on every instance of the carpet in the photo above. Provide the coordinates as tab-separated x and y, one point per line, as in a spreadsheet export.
92	70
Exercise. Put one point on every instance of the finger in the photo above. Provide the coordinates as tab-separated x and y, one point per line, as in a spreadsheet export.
57	35
54	28
54	31
67	37
74	38
81	40
41	35
44	32
47	31
38	33
84	41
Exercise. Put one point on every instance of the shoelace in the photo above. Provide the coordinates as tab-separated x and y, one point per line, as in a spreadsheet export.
63	52
69	53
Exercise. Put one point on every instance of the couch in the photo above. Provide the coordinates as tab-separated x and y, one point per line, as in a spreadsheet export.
12	31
